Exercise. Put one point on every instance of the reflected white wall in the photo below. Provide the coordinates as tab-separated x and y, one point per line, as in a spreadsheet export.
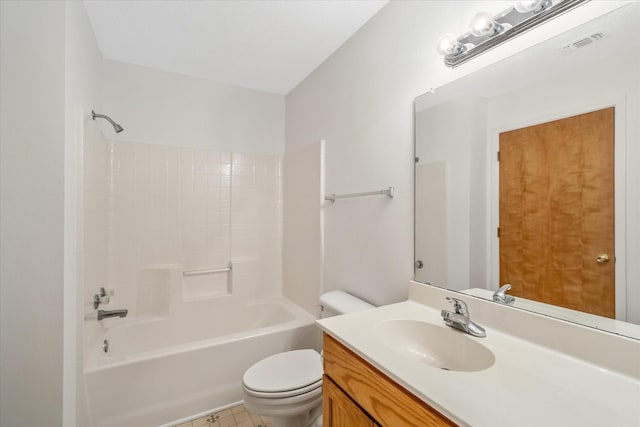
454	133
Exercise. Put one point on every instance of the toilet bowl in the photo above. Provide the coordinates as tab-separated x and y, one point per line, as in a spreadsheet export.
287	387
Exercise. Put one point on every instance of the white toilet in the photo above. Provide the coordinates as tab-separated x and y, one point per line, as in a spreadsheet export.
287	387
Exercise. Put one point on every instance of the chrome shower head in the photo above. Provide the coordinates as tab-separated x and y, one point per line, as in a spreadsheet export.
116	126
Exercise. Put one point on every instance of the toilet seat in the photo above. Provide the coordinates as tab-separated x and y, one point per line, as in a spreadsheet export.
285	393
284	375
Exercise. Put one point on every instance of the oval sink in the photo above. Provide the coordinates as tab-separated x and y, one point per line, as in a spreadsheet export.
437	346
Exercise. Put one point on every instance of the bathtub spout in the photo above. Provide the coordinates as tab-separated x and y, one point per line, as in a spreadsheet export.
105	314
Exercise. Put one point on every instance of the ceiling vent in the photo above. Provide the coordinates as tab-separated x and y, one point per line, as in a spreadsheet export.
584	41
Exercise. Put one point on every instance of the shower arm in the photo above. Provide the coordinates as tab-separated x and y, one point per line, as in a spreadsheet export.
116	126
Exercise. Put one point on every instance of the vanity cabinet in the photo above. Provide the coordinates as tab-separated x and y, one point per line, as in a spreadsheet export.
355	394
339	410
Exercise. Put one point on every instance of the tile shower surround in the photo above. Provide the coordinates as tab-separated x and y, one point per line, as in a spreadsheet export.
148	206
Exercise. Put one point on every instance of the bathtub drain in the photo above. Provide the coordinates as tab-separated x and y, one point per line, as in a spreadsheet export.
105	346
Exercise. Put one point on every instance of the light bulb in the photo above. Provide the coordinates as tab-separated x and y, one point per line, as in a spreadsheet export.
448	45
526	6
483	24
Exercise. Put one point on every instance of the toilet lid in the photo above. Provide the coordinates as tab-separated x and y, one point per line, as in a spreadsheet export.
286	371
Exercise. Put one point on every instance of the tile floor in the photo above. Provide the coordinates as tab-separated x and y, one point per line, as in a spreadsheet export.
237	416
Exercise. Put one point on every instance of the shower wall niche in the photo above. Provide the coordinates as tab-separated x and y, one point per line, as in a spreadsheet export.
152	212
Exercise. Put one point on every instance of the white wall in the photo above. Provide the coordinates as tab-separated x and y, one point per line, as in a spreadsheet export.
360	102
50	66
32	153
83	62
159	107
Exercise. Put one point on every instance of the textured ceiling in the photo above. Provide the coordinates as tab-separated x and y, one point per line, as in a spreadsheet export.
264	45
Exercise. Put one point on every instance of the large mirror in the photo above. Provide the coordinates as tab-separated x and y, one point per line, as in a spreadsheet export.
556	214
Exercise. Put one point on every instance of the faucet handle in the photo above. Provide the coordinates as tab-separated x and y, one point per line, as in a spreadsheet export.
501	295
459	306
503	289
102	297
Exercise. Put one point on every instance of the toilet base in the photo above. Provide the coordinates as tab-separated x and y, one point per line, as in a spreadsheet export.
312	418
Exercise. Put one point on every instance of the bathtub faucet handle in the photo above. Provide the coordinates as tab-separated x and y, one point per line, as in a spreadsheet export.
103	297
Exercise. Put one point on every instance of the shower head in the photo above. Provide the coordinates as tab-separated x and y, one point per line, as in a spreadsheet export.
116	126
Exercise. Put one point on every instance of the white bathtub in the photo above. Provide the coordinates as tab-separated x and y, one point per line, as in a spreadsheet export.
161	370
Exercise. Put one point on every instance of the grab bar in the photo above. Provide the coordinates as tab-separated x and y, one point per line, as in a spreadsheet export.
201	271
389	192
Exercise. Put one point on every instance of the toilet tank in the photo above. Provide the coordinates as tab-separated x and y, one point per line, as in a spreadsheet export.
340	302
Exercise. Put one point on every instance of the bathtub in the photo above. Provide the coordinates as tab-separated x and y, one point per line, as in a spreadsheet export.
159	370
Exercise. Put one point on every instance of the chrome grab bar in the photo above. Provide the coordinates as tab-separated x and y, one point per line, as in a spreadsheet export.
389	192
201	271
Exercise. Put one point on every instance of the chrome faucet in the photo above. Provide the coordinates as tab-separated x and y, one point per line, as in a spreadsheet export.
459	318
105	314
501	295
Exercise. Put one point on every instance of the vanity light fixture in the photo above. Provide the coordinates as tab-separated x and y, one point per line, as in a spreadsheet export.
483	24
448	45
489	31
534	6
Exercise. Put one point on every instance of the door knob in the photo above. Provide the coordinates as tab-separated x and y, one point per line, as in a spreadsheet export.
602	258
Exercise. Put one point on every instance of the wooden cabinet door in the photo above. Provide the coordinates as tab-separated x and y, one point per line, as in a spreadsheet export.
386	402
339	410
557	212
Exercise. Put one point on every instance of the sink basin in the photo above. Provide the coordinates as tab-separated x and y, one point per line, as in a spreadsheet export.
437	346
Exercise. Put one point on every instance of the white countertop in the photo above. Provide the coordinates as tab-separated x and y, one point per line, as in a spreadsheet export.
528	385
